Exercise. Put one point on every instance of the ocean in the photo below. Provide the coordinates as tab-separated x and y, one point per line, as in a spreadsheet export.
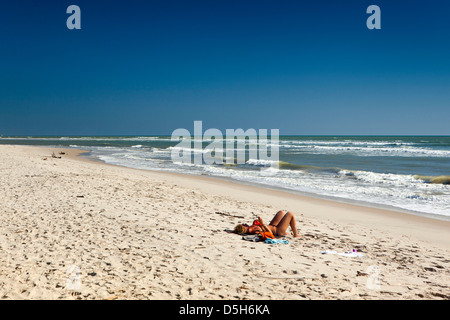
404	173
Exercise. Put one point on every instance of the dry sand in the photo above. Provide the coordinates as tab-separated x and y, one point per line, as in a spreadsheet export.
77	229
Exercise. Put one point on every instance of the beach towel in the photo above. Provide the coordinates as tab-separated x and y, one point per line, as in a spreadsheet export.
257	238
345	254
253	237
276	241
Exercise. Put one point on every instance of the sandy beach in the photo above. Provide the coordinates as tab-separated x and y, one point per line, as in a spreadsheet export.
71	228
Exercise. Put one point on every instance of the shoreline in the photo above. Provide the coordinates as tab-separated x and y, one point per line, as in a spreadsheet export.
331	198
396	215
140	234
360	202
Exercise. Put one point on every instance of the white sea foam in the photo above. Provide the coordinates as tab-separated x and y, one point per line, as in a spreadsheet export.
406	151
262	162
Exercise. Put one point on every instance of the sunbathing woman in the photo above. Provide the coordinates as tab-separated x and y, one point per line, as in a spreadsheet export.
277	226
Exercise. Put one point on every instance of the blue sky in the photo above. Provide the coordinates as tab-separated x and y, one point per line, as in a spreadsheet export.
149	67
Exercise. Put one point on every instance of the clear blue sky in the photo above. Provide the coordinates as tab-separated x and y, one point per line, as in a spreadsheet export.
149	67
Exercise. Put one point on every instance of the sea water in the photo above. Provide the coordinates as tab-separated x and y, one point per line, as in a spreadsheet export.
407	173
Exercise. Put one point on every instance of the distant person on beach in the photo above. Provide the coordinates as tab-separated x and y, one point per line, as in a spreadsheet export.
277	226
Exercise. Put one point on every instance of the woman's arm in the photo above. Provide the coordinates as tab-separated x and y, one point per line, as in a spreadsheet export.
263	226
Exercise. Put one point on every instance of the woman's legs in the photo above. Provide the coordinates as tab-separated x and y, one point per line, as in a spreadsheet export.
277	218
283	221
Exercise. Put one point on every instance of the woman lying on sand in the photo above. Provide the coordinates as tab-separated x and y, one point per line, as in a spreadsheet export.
277	226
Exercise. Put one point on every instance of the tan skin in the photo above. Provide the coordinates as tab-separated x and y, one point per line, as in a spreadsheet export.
278	226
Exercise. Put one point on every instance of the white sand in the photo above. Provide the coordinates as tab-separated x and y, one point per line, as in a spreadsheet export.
133	234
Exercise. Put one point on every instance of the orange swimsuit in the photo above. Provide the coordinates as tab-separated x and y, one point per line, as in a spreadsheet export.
264	234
